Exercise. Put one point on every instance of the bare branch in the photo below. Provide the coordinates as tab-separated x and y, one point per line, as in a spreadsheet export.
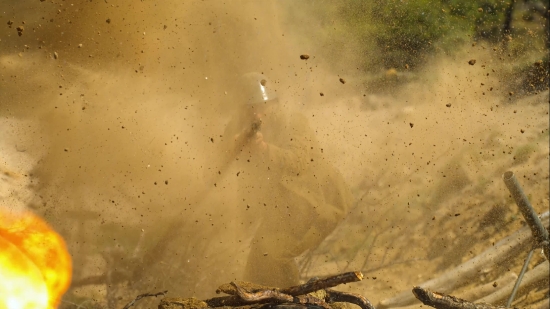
130	304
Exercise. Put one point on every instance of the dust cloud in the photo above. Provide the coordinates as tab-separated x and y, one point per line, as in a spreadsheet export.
114	111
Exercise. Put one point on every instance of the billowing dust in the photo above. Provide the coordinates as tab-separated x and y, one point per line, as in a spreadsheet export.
113	111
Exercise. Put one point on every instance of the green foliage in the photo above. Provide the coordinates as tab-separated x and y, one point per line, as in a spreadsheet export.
394	33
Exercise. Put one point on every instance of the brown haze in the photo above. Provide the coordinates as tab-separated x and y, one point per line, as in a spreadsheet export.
121	132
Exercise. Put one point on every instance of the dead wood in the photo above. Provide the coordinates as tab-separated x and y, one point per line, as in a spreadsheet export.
442	301
323	283
540	272
302	289
276	296
262	295
230	301
228	288
356	299
461	274
130	304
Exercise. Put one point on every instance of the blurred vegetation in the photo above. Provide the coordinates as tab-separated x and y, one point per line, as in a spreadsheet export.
404	35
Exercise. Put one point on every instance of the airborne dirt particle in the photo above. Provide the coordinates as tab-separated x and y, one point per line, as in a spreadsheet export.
20	30
472	62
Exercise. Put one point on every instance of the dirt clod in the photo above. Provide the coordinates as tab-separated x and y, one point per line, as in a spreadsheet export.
411	124
472	62
321	94
304	57
20	30
343	81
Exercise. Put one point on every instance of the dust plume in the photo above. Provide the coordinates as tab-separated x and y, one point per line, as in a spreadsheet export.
116	109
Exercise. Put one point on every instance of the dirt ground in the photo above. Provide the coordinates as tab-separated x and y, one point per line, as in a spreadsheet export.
110	115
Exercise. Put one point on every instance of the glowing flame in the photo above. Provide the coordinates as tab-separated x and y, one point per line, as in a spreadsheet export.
35	267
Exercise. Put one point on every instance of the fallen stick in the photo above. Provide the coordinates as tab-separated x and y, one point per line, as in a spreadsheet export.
539	231
276	296
130	304
356	299
455	277
540	272
442	301
302	289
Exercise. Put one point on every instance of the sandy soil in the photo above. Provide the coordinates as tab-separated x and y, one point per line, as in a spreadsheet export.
111	114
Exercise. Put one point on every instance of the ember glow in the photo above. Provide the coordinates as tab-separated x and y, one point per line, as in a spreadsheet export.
35	266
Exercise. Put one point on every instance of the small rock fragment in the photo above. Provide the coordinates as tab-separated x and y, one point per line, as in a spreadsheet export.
343	81
448	104
411	124
79	45
511	93
321	94
304	57
108	20
480	10
10	22
55	55
522	131
472	62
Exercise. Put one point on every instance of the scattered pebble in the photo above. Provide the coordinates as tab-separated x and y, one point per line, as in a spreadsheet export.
480	10
448	104
108	20
406	66
79	45
411	124
55	55
10	22
321	94
304	57
511	93
343	81
472	62
522	131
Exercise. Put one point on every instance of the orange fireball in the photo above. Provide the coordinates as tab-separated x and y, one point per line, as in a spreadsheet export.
35	266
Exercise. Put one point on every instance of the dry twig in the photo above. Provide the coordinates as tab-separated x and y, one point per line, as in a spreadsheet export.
442	301
130	304
302	289
356	299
